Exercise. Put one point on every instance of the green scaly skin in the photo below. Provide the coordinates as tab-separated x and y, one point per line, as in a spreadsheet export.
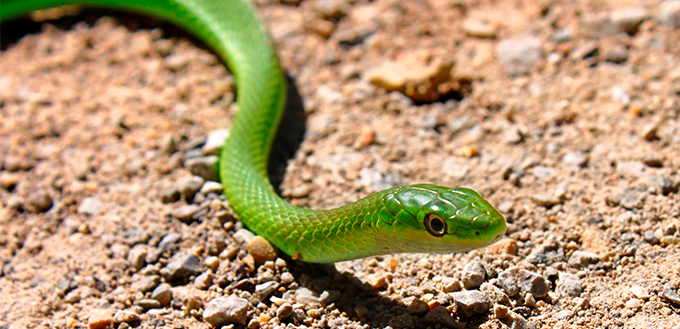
389	221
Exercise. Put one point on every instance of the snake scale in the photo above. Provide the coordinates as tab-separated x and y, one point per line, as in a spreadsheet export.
413	218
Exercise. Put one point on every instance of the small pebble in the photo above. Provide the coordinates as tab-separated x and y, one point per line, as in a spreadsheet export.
170	195
418	307
440	315
617	54
263	290
505	245
261	250
640	292
128	317
519	54
190	186
652	160
183	266
137	257
99	319
223	311
471	302
39	201
204	280
634	303
169	241
9	181
473	275
480	29
650	132
284	311
575	159
569	285
148	303
508	282
546	200
580	258
175	62
205	167
163	294
211	187
533	283
332	9
669	294
243	237
213	144
186	213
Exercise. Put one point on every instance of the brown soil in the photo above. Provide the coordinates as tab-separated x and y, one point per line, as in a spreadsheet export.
580	149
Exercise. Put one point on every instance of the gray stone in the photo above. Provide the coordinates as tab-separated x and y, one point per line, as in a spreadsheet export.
661	184
519	54
183	267
533	283
546	200
213	144
617	54
145	284
163	294
544	172
190	186
513	136
650	132
263	290
480	29
148	303
575	159
204	281
223	311
332	9
439	315
243	237
170	195
186	213
632	199
471	302
211	187
580	258
508	281
205	167
629	19
584	50
284	311
137	257
569	285
128	317
473	275
90	206
39	201
169	241
669	294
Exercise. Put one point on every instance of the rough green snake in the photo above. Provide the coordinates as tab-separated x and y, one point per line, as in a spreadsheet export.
415	218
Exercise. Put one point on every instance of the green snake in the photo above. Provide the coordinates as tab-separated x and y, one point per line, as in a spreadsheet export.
413	218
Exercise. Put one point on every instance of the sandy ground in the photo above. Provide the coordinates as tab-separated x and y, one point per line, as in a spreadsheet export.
564	114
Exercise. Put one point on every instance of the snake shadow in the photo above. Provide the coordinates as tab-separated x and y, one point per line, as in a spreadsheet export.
349	293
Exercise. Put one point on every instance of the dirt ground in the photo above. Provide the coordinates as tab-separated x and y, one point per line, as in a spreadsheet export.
563	114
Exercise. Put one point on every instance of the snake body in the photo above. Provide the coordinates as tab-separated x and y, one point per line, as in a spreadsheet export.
414	218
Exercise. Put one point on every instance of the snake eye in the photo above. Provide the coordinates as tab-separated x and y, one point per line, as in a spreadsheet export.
435	225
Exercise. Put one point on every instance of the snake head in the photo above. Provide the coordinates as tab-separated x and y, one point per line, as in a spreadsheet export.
431	218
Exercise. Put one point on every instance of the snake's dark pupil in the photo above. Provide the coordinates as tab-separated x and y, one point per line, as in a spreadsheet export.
437	225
